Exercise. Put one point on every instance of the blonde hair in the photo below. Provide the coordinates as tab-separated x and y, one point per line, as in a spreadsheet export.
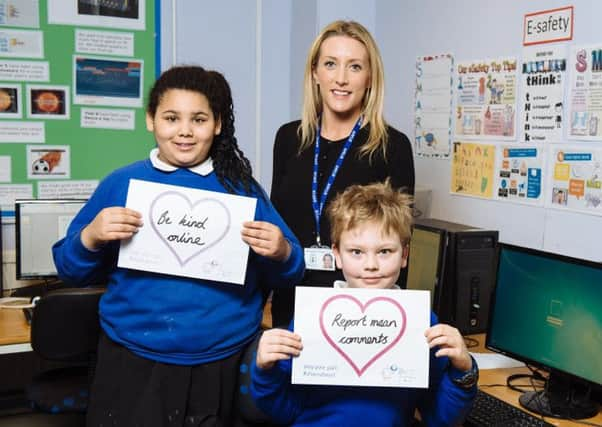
373	102
377	202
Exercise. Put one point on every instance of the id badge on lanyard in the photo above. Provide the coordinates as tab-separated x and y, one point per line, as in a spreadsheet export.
318	256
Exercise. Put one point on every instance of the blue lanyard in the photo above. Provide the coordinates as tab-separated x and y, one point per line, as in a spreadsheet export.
318	206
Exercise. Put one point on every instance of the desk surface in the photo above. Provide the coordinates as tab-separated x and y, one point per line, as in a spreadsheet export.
489	377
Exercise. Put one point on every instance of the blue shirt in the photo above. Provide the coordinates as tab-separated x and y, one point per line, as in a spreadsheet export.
165	318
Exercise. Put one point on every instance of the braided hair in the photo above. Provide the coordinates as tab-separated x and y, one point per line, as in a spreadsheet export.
232	168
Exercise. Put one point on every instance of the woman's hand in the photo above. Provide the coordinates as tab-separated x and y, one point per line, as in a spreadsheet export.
115	223
266	239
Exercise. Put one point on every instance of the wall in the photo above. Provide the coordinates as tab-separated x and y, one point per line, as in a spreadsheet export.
471	29
268	93
261	47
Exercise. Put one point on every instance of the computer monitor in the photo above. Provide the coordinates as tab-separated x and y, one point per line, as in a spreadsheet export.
38	225
425	261
547	312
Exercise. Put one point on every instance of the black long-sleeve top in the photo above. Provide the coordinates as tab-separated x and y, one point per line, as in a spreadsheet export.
291	190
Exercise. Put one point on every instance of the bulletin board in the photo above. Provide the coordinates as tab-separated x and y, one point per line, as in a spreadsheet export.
74	78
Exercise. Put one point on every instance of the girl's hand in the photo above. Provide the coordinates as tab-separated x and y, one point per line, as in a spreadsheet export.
115	223
277	344
266	239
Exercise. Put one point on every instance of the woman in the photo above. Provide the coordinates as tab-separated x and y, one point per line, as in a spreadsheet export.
342	139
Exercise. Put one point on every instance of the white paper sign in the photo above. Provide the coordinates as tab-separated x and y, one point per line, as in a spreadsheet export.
104	42
105	118
188	232
363	337
19	131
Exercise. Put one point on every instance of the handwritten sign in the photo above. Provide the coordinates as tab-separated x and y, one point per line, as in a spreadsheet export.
188	232
363	337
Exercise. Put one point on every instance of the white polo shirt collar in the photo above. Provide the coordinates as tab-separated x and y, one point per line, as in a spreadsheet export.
202	169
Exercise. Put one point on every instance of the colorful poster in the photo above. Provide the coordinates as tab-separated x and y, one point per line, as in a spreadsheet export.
433	107
486	99
576	180
20	13
121	14
21	44
519	174
586	93
542	79
48	162
107	81
472	169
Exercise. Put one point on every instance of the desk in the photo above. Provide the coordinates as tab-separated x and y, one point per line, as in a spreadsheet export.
14	331
498	376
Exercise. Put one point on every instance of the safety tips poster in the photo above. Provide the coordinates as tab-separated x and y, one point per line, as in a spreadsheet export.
486	99
586	93
576	181
519	175
542	92
433	105
472	169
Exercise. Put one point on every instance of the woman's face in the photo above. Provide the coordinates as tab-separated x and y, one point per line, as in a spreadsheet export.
184	127
342	72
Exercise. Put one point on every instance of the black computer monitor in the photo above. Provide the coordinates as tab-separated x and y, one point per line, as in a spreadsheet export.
426	261
547	312
38	225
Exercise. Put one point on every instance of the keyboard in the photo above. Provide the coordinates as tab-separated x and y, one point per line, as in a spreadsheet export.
490	411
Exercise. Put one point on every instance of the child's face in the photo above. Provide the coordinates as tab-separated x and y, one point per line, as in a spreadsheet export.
184	127
369	258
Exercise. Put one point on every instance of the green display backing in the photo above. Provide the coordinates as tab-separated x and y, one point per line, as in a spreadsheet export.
94	152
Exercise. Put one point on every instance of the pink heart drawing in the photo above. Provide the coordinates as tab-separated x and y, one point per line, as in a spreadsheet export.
363	307
206	223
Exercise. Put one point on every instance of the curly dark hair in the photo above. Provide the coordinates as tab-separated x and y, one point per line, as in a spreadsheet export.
233	169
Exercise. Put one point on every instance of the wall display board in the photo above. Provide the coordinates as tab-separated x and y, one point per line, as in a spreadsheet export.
73	81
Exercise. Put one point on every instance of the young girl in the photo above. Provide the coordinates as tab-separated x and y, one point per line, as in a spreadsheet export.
170	346
342	139
371	228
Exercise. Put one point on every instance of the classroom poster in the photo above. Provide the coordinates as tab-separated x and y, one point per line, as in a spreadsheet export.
576	179
362	337
20	13
486	99
433	105
585	93
542	91
472	169
519	174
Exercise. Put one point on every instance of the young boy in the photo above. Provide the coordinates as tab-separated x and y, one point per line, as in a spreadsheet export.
371	228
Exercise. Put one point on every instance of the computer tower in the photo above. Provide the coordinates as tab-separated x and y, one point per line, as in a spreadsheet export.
467	259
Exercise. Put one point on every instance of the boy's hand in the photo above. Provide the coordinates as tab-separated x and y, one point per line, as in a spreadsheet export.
113	223
266	239
277	344
451	344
